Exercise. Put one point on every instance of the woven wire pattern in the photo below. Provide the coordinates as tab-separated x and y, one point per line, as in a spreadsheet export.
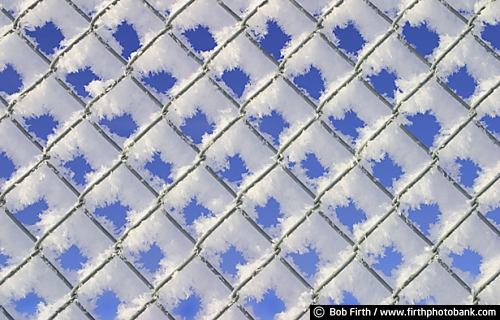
193	251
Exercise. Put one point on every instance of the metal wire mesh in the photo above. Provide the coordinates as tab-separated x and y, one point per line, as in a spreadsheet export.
241	29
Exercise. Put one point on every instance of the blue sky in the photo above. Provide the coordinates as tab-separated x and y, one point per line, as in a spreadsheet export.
424	128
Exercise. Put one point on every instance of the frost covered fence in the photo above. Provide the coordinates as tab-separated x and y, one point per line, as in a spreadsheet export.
124	198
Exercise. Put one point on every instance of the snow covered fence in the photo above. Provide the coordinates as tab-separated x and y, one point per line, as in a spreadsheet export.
124	176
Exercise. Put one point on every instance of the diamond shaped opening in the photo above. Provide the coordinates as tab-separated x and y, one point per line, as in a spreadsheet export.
193	211
307	262
388	261
80	79
236	80
10	80
313	167
492	124
424	127
161	81
348	124
462	83
268	306
235	171
159	168
421	37
200	38
7	167
151	259
188	308
29	304
47	37
31	214
424	216
311	82
274	40
349	215
347	299
127	37
494	215
197	126
491	34
349	38
72	259
269	214
273	125
80	168
116	213
469	171
123	126
387	171
107	305
384	83
42	126
231	259
468	261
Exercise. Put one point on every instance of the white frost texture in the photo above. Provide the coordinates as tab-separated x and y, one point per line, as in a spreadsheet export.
195	214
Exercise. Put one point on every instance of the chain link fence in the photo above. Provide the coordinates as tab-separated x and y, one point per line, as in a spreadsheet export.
196	251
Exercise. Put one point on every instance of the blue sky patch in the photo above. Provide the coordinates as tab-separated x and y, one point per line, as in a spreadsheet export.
123	126
48	37
159	168
269	214
151	259
236	79
311	82
72	258
384	83
468	261
349	215
80	167
29	304
386	170
423	39
7	167
235	171
462	83
200	38
188	307
10	80
389	261
193	211
469	171
116	213
30	215
424	127
425	216
107	305
274	40
273	124
230	259
161	81
127	37
197	126
349	124
80	79
349	38
313	167
268	306
307	262
42	126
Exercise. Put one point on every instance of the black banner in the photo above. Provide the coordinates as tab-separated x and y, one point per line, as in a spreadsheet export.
332	312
